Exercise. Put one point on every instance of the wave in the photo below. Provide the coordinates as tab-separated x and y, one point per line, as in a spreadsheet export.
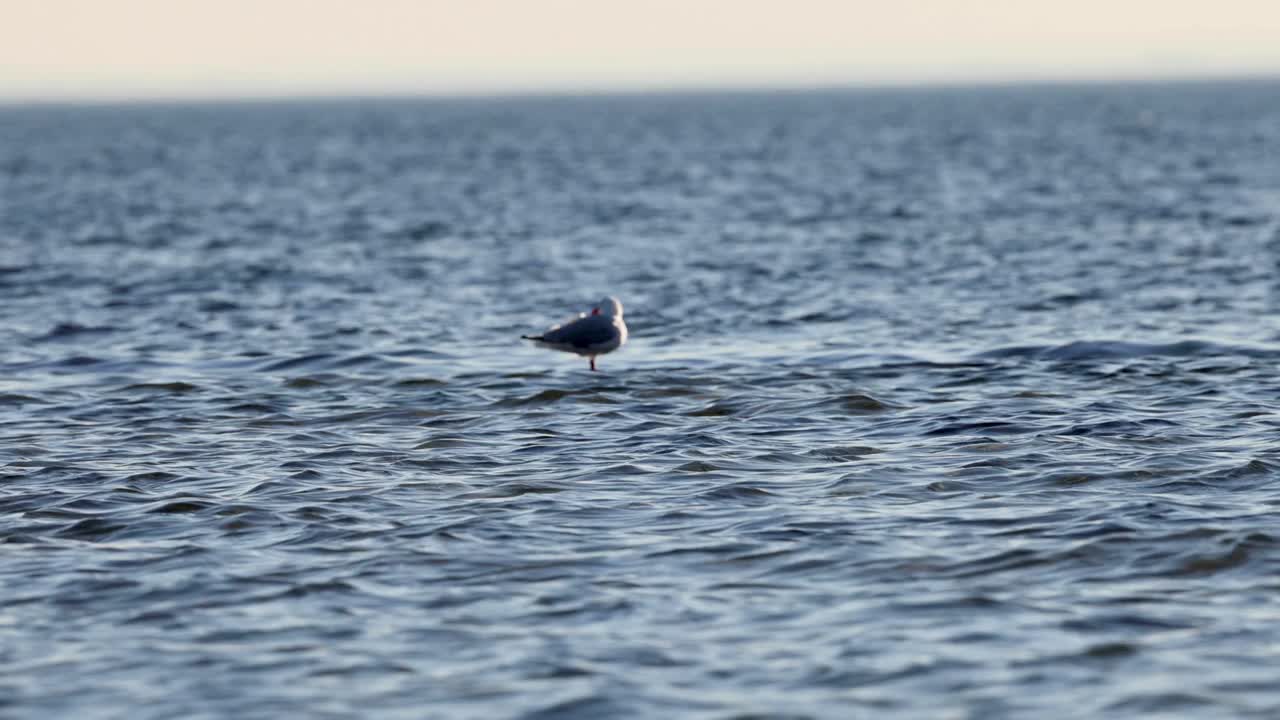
1086	350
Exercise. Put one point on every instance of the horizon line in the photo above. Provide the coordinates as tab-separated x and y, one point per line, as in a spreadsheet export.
585	90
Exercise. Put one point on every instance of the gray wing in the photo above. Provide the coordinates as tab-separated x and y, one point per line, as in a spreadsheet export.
582	333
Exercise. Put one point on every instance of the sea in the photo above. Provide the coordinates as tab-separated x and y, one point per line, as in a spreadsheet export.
947	402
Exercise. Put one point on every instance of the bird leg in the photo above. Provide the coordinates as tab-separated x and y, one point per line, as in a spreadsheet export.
593	363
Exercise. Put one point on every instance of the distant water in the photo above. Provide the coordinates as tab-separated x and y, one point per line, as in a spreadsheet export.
939	403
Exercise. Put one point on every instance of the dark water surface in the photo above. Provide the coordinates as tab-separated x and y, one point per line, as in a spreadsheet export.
938	403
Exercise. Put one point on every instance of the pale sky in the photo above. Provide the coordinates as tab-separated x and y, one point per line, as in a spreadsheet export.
122	49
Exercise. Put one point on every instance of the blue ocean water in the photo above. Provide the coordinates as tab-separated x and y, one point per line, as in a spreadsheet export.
938	403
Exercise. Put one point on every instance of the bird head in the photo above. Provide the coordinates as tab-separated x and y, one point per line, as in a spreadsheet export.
610	307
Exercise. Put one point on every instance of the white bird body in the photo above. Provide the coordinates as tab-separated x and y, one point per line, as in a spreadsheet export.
601	332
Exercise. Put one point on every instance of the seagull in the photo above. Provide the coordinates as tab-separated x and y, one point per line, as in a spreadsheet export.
603	331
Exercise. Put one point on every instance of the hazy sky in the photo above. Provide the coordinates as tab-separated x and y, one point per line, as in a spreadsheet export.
195	48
